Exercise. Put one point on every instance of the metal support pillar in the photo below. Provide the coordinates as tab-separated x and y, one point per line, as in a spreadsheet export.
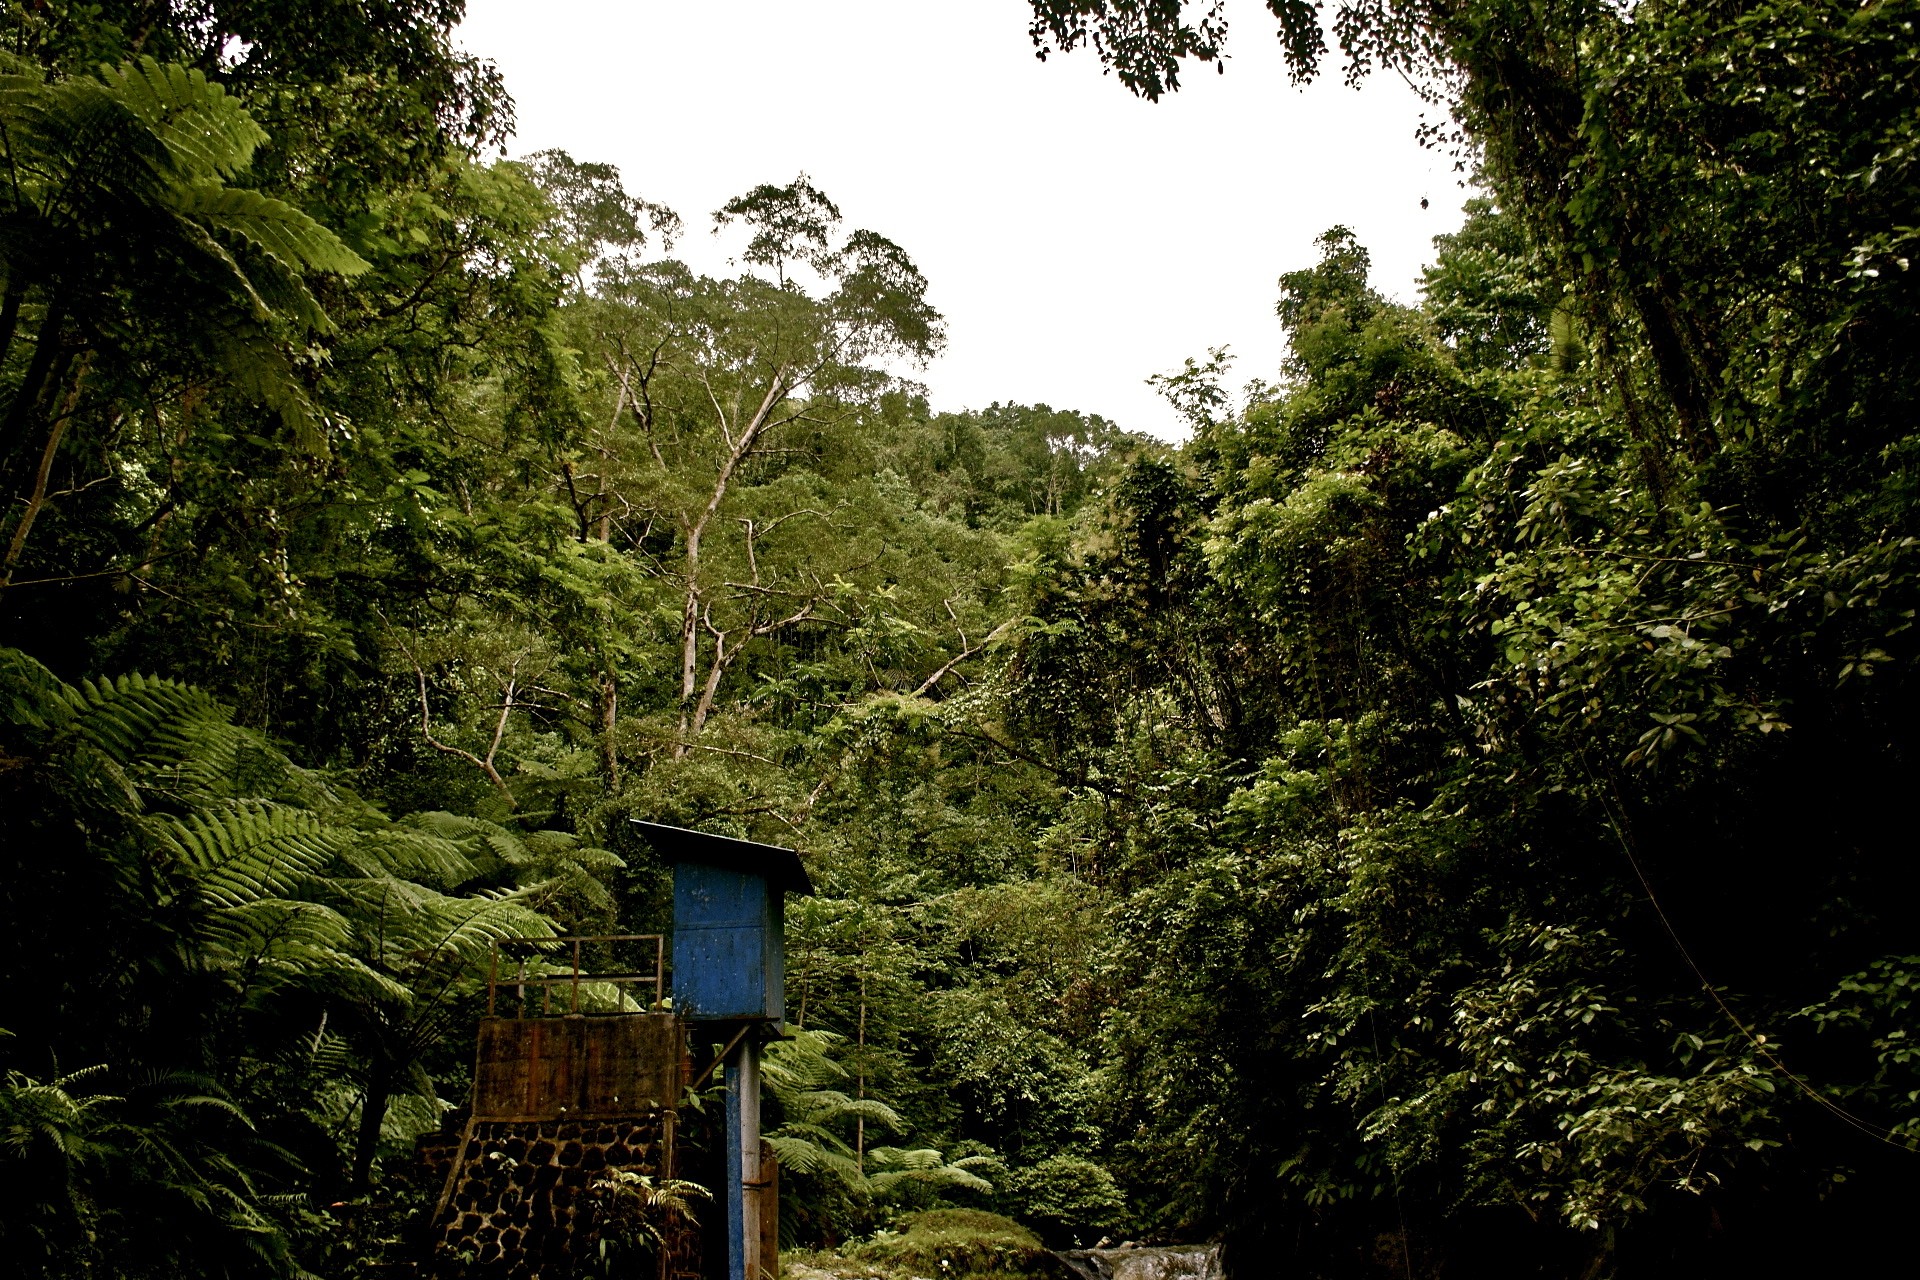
743	1161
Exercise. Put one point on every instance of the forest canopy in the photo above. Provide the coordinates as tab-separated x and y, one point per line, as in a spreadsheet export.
1444	816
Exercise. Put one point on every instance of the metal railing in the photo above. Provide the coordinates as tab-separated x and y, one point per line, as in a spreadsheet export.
572	972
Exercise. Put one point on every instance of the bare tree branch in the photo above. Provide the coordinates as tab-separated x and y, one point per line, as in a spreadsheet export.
926	686
483	763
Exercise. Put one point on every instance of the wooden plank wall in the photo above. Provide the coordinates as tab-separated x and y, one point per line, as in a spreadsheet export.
554	1068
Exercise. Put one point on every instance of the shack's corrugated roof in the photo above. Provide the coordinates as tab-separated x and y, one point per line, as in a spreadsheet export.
780	867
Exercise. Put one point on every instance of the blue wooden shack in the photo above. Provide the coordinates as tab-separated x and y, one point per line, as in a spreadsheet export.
729	920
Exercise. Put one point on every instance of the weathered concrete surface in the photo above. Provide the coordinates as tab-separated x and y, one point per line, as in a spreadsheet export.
1146	1262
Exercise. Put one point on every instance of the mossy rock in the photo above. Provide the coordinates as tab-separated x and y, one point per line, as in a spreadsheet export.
961	1242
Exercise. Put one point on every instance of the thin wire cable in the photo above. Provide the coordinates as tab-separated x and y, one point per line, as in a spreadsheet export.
1878	1133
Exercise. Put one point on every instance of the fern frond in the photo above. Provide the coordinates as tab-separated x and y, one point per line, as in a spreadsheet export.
403	850
446	826
922	1165
409	923
273	226
835	1106
78	151
548	844
209	759
255	931
799	1155
918	1160
469	928
31	697
143	721
260	369
239	283
249	852
287	295
204	128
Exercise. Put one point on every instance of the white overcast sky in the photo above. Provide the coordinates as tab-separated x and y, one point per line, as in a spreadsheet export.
1076	238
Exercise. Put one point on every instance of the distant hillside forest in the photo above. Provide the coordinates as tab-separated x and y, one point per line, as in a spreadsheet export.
1451	816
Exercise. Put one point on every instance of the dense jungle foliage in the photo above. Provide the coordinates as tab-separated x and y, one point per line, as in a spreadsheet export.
1445	817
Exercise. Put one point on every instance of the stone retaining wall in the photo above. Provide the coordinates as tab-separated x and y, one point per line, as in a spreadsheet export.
518	1205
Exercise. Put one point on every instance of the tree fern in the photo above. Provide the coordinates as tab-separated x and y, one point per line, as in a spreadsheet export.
123	182
275	227
896	1167
290	902
182	745
205	130
811	1137
247	852
173	1141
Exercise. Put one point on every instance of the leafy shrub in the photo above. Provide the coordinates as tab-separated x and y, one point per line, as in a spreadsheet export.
1069	1197
960	1242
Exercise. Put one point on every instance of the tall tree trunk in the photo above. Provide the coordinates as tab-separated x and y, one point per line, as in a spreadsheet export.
609	719
689	643
860	1080
48	351
722	659
37	494
738	449
10	320
373	1114
1532	104
806	987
